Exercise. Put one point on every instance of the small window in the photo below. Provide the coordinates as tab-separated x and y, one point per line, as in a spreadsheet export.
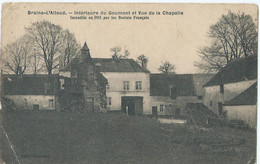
221	88
200	97
161	108
109	100
138	85
126	85
25	103
210	103
51	105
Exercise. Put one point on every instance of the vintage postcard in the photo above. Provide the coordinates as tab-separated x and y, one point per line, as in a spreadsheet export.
128	83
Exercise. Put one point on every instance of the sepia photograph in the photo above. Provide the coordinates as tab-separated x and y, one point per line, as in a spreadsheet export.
153	83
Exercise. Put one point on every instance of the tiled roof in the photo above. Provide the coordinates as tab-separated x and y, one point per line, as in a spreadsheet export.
118	65
29	84
235	71
112	65
248	97
160	84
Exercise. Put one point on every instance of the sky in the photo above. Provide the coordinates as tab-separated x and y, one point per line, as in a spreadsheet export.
175	38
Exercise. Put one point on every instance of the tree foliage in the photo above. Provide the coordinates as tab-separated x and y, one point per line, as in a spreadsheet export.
233	36
167	68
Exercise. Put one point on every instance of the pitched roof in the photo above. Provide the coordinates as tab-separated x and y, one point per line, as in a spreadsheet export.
235	71
29	84
111	65
160	84
248	97
199	81
118	65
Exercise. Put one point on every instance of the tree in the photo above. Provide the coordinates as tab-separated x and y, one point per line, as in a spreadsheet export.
233	36
71	47
52	41
142	60
36	63
117	55
167	68
15	57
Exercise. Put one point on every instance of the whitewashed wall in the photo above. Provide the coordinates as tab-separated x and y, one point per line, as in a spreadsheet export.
246	113
42	101
179	102
116	91
231	90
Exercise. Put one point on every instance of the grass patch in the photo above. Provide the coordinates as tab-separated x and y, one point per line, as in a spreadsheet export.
51	137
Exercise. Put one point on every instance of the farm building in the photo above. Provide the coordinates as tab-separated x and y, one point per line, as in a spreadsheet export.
170	93
231	84
243	107
31	92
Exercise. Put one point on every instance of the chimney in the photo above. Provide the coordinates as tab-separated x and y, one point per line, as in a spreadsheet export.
144	63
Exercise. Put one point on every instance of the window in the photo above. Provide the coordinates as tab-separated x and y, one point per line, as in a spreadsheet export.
108	86
126	85
138	85
25	103
200	97
109	100
51	105
161	108
221	88
210	103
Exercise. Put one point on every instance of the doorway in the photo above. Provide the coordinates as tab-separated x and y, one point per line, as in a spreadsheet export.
132	105
154	110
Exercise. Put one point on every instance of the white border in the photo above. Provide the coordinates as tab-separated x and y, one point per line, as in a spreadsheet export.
257	2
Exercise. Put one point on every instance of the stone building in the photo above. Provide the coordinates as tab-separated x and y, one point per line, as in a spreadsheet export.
81	78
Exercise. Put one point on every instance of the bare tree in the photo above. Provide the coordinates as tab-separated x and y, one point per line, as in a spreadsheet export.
15	56
37	64
49	38
233	36
71	47
117	53
167	68
142	60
